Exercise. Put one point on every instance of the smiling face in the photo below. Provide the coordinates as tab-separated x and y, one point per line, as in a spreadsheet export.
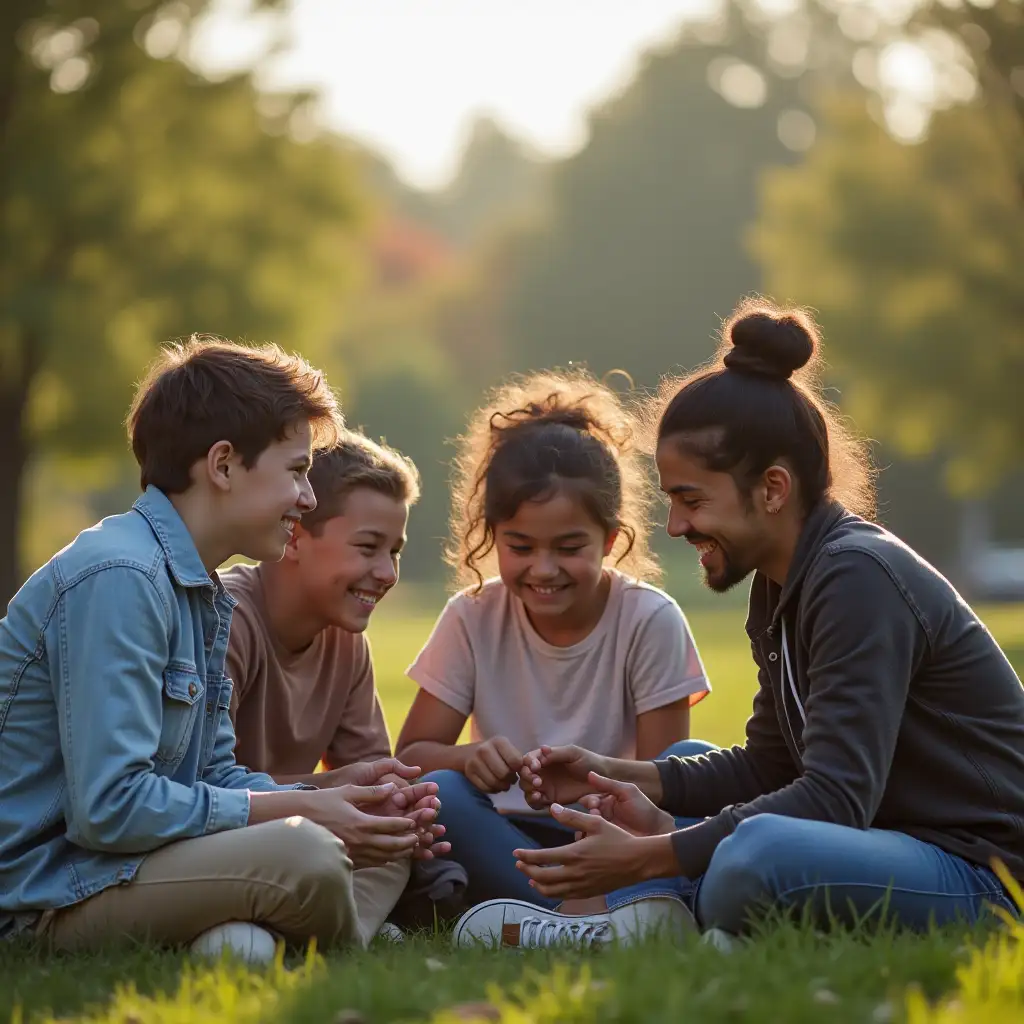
551	555
731	536
264	501
351	562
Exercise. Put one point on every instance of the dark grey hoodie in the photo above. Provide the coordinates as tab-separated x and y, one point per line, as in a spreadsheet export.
914	716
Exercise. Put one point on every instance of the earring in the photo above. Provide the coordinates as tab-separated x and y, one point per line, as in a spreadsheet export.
772	511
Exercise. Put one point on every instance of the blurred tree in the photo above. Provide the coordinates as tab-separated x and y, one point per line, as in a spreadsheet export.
140	202
912	255
642	253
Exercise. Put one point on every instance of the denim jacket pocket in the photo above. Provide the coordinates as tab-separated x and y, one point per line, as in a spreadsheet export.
183	690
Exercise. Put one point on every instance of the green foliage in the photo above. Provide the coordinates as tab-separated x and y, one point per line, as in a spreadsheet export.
642	250
912	255
141	202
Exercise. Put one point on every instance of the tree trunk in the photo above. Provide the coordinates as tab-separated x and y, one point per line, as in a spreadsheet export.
13	459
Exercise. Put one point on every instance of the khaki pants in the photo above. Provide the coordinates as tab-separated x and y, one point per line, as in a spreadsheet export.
292	877
376	892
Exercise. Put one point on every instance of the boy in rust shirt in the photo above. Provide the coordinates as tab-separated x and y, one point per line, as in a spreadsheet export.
298	655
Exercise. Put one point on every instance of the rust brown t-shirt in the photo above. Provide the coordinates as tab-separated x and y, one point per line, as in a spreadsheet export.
292	710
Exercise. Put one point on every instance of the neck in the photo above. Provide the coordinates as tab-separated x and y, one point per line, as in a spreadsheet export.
779	559
292	622
195	512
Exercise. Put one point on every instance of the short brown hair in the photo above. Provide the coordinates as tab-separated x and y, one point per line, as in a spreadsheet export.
205	390
534	434
353	462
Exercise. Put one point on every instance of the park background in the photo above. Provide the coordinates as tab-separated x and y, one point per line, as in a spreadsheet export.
425	196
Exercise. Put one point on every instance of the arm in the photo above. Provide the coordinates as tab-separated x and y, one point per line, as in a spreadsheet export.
657	730
362	732
865	644
430	736
107	673
694	787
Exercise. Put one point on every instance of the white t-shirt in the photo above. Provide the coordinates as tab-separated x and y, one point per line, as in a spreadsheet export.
485	660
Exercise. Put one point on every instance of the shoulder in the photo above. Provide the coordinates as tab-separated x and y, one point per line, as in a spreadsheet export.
241	582
122	546
471	605
642	602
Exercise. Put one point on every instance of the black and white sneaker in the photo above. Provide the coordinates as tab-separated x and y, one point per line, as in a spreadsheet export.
513	923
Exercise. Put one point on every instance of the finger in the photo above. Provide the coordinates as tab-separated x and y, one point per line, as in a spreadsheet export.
557	755
538	800
481	777
367	794
545	857
588	823
418	791
496	765
547	875
381	825
509	753
404	771
592	802
424	817
612	786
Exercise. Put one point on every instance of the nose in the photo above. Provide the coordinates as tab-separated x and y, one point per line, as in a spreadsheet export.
678	524
545	566
385	571
306	500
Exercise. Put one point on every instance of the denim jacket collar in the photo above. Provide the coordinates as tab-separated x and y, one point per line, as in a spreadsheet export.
178	546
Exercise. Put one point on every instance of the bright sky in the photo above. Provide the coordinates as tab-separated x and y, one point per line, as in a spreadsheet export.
408	76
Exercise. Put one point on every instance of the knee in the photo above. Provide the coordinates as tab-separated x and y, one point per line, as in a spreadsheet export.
687	748
740	879
311	857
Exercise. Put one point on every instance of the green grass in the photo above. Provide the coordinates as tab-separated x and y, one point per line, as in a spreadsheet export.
789	974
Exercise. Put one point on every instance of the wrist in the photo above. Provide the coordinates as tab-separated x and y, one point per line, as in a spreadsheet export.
659	858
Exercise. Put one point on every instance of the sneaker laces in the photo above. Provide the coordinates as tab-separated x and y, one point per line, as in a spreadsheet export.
546	931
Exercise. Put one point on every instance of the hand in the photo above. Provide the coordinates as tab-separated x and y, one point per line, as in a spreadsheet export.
494	765
625	805
371	839
560	774
372	773
419	803
606	858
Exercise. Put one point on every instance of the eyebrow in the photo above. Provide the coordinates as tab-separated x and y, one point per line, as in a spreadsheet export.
681	489
575	535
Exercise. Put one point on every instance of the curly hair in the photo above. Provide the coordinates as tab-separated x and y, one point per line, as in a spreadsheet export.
534	434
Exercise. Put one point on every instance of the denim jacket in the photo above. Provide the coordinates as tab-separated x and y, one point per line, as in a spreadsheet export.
115	737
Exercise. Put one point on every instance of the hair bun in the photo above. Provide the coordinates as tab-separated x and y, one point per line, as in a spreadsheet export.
770	343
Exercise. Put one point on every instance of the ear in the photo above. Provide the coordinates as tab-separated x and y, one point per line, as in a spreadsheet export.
778	488
609	543
222	462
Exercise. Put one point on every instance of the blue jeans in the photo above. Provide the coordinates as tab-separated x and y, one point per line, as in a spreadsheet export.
483	840
835	873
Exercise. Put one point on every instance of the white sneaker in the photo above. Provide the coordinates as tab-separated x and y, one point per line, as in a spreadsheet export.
515	923
247	941
722	941
390	933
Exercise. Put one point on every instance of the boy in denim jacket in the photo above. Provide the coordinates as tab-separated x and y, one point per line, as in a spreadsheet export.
122	811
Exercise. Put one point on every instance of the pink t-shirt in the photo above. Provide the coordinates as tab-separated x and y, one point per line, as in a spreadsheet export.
485	660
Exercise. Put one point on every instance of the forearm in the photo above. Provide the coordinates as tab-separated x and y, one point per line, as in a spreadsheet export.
642	774
282	804
431	756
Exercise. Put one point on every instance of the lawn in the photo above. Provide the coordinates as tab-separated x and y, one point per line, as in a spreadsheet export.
788	974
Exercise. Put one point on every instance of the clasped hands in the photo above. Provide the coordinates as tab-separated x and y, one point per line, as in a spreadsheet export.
621	836
381	813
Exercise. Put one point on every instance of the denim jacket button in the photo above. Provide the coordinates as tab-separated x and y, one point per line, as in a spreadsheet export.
773	656
192	689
